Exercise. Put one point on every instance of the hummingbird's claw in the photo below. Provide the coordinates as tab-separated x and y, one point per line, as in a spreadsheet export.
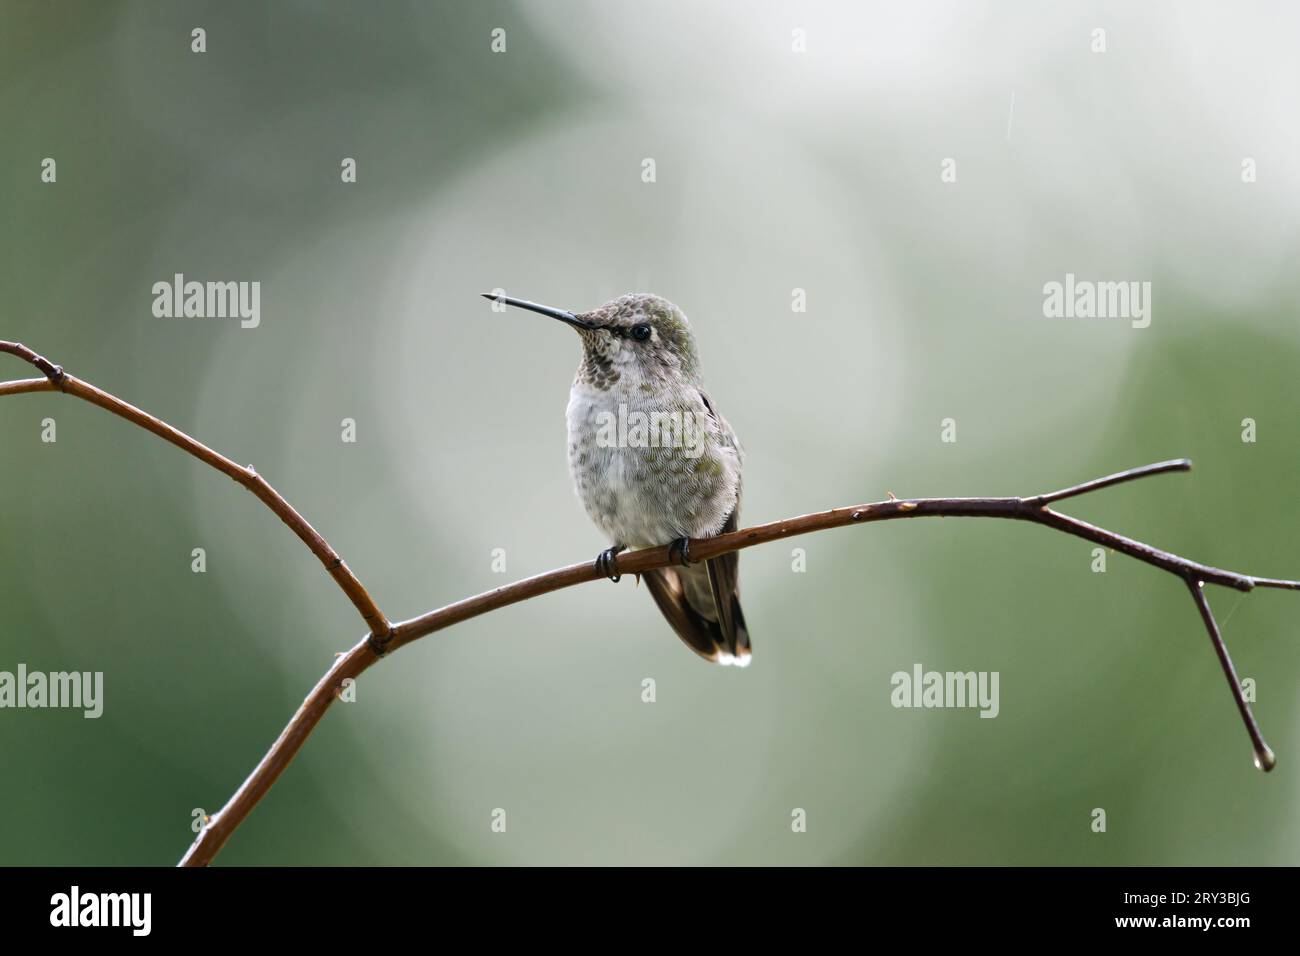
680	552
607	562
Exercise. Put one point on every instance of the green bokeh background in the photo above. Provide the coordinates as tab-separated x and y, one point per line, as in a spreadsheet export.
775	171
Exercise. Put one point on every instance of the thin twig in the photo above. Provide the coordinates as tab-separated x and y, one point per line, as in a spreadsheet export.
1264	758
1159	468
385	638
57	378
27	385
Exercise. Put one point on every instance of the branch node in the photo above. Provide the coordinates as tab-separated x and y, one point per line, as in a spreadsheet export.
380	647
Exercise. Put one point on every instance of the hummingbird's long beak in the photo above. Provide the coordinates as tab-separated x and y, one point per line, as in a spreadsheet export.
561	314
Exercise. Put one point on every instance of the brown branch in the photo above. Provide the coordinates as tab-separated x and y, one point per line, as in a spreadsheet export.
27	385
387	638
57	378
1264	758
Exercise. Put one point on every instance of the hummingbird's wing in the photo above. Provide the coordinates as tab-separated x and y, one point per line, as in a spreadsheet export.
717	632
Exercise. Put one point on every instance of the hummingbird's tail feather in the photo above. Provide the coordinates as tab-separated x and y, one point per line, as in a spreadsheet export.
666	588
704	611
724	590
742	655
723	598
703	604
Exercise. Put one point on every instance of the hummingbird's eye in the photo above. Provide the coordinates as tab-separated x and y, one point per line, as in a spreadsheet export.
641	332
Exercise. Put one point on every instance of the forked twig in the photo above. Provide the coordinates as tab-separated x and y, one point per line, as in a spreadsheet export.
57	379
384	637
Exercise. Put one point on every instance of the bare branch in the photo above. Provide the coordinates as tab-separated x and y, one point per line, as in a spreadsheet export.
57	378
27	385
1264	758
1159	468
384	637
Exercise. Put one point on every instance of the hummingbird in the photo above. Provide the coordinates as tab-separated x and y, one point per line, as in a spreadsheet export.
639	378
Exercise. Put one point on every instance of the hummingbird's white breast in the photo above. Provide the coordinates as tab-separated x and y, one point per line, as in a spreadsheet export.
651	462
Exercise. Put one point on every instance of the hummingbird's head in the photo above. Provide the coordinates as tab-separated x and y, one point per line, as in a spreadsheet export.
636	338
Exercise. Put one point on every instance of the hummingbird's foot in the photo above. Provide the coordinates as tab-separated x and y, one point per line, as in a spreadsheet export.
607	562
679	552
